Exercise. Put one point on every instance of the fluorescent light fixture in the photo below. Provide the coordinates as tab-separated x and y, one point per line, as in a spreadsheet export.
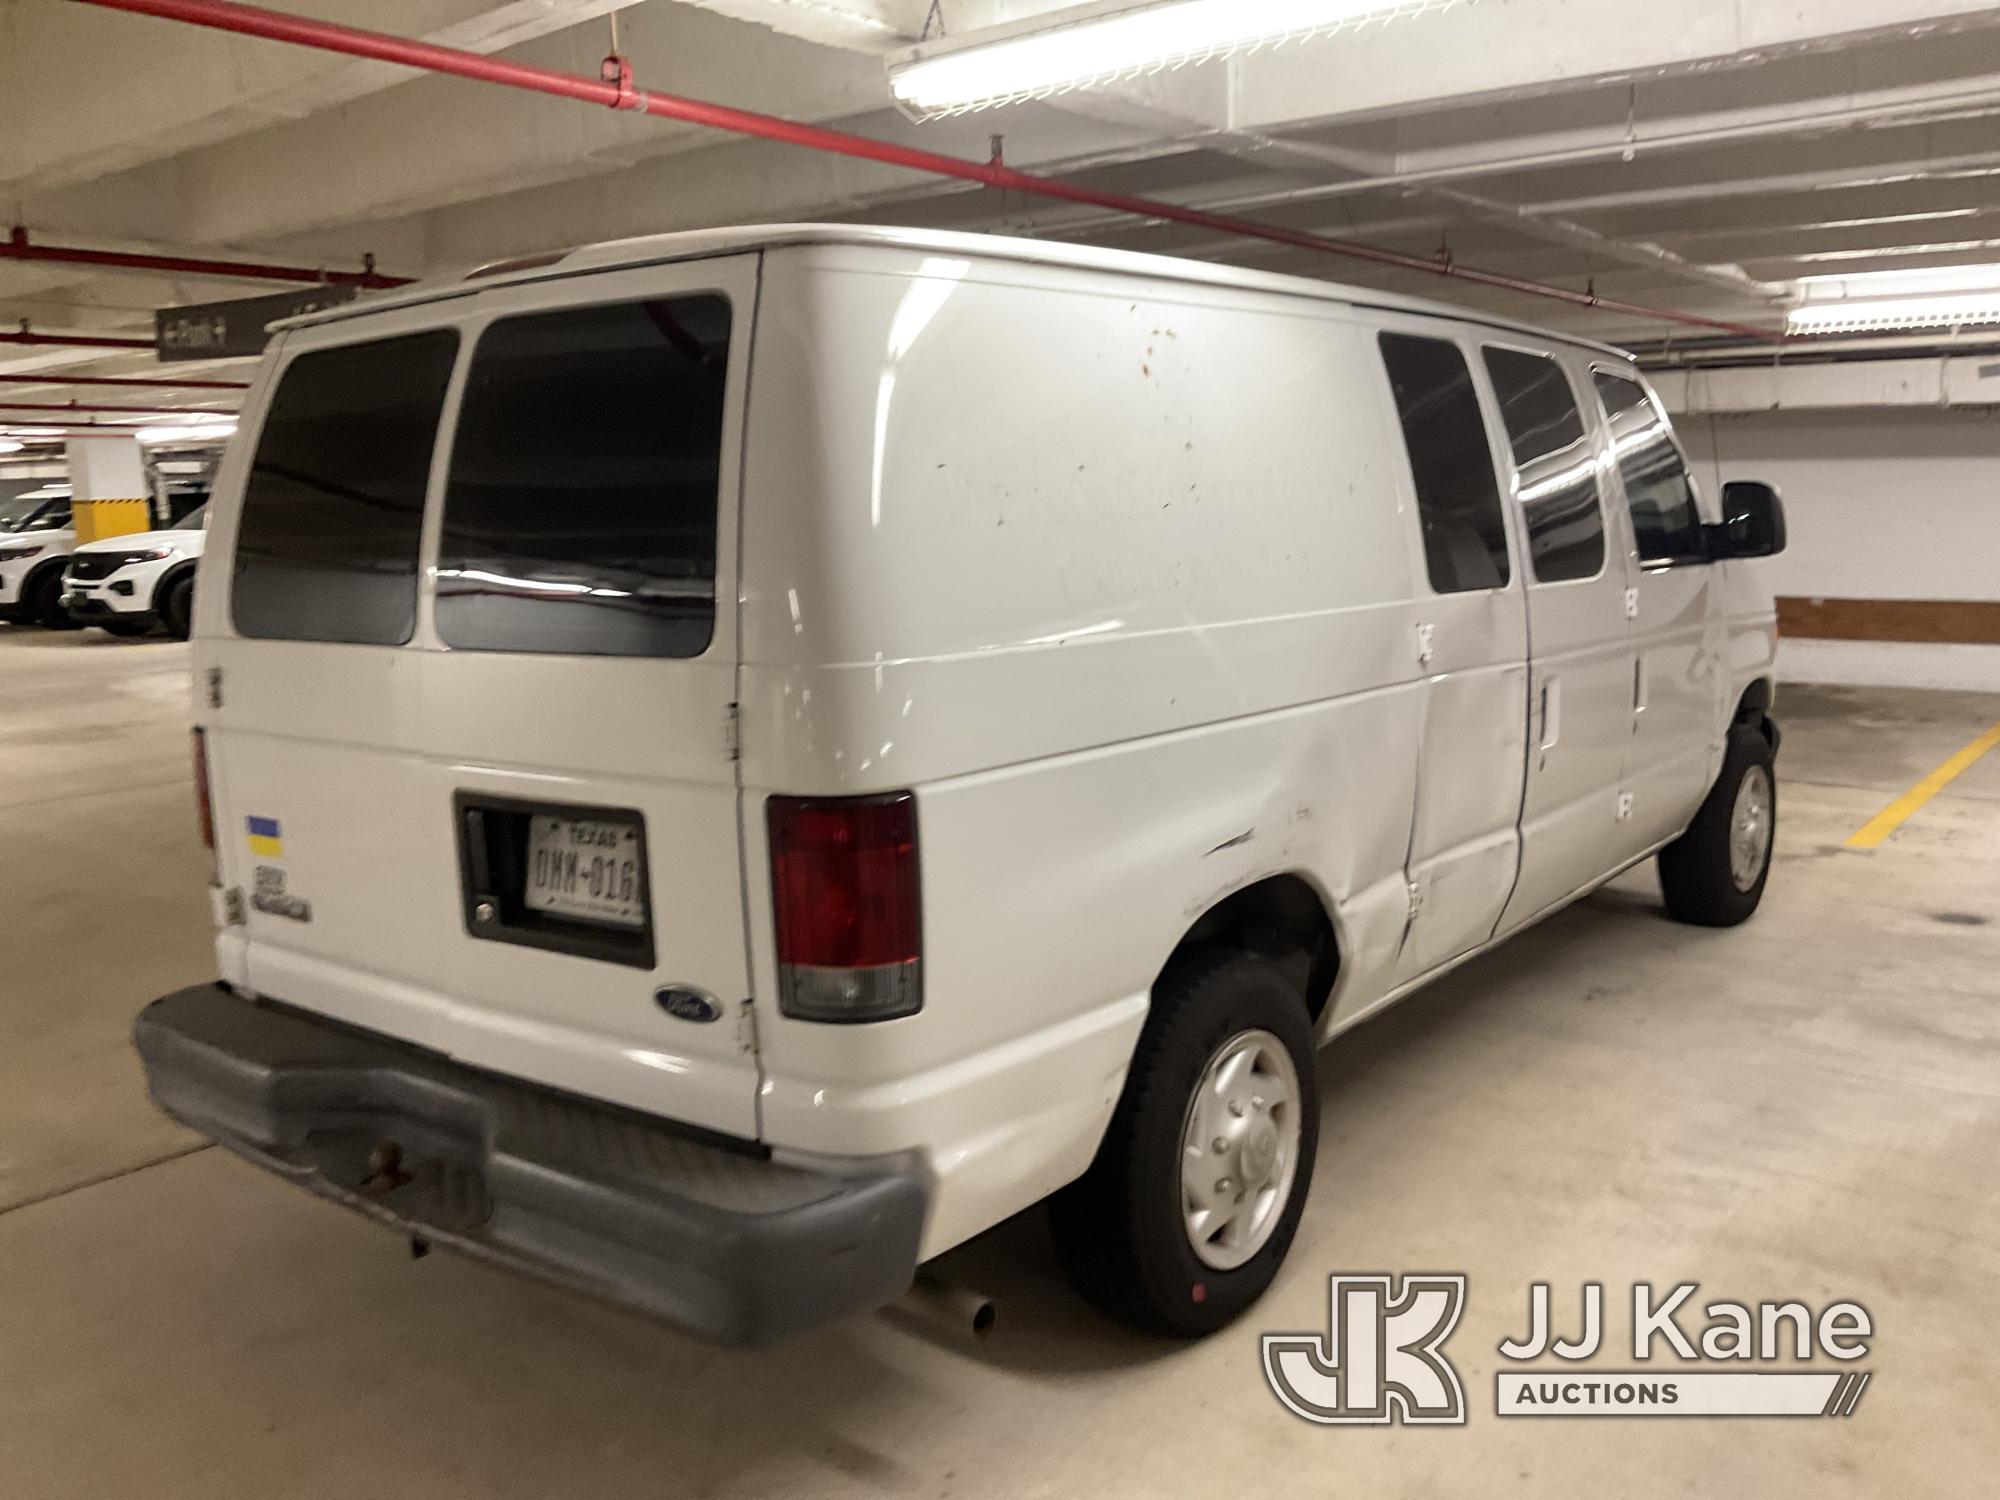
191	434
1977	278
1116	39
8	445
1874	301
1970	310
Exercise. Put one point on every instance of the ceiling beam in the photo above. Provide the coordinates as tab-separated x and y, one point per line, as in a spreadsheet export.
483	140
852	25
1545	227
1811	168
1532	48
1626	142
880	26
180	91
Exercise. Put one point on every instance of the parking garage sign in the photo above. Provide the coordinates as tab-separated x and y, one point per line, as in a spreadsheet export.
221	330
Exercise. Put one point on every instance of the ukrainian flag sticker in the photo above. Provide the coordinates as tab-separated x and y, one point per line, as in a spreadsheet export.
265	839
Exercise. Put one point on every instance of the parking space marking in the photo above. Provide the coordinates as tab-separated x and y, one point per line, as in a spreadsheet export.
101	1178
1905	807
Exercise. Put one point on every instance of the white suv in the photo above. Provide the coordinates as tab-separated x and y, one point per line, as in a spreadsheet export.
722	843
130	584
36	534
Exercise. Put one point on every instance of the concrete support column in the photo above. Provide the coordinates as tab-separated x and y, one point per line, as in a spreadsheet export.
108	491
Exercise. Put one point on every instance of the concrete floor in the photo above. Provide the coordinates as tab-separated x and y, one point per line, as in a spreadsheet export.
1808	1107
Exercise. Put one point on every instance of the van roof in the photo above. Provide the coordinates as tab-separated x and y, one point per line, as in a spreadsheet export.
695	244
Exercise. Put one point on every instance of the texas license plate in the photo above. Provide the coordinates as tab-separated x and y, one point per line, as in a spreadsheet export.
585	868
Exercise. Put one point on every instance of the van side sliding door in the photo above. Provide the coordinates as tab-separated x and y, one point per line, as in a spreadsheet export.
1579	636
1470	629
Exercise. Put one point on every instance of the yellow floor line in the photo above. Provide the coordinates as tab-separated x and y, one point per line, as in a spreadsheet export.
1907	806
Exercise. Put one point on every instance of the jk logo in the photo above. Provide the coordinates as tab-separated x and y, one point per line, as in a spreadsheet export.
1381	1359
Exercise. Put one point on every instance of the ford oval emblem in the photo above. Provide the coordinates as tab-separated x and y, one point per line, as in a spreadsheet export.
685	1003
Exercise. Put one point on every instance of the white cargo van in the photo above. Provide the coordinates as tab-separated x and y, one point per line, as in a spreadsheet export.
737	761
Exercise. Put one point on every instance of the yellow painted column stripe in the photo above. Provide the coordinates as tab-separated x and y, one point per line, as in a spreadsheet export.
100	519
1907	806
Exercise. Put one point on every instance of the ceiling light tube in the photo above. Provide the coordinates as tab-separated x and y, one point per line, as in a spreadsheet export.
1873	301
1920	281
205	432
1113	40
1967	310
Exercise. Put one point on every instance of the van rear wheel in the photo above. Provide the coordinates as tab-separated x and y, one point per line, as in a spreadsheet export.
1195	1195
1714	874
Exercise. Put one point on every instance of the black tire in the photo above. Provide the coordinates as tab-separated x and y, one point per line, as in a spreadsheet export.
177	607
43	597
1696	874
1119	1229
127	629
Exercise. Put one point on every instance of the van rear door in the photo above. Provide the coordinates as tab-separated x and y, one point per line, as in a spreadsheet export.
477	657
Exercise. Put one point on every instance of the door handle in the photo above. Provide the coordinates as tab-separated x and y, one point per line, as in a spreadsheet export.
1551	712
1639	686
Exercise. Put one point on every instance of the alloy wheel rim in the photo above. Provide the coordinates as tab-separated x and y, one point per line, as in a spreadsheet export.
1750	829
1240	1149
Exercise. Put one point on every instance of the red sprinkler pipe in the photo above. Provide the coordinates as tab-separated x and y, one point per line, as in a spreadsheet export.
17	246
72	341
618	93
206	385
117	411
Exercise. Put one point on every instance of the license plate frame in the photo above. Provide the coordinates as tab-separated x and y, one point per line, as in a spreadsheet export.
495	842
584	870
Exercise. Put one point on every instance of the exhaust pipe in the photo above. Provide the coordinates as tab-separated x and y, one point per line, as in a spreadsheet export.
955	1311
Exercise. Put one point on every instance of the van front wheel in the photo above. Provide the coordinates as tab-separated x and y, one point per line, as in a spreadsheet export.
1190	1207
1714	874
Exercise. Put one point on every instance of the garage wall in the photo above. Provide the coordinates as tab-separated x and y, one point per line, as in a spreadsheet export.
1895	504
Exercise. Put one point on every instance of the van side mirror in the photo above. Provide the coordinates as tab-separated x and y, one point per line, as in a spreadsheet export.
1753	522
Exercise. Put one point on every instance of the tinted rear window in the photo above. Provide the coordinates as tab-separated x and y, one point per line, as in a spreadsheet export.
580	508
327	546
1458	496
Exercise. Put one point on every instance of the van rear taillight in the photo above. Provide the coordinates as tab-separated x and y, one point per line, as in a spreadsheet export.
849	914
205	803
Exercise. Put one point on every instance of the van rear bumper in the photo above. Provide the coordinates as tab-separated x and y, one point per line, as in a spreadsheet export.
708	1234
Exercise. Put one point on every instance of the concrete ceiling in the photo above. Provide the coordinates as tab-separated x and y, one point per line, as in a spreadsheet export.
1699	155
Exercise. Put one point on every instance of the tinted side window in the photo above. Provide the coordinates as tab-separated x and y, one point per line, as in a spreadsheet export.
1458	498
327	546
1558	465
1664	516
580	510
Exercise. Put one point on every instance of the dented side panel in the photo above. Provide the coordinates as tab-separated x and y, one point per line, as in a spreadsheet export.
1116	576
